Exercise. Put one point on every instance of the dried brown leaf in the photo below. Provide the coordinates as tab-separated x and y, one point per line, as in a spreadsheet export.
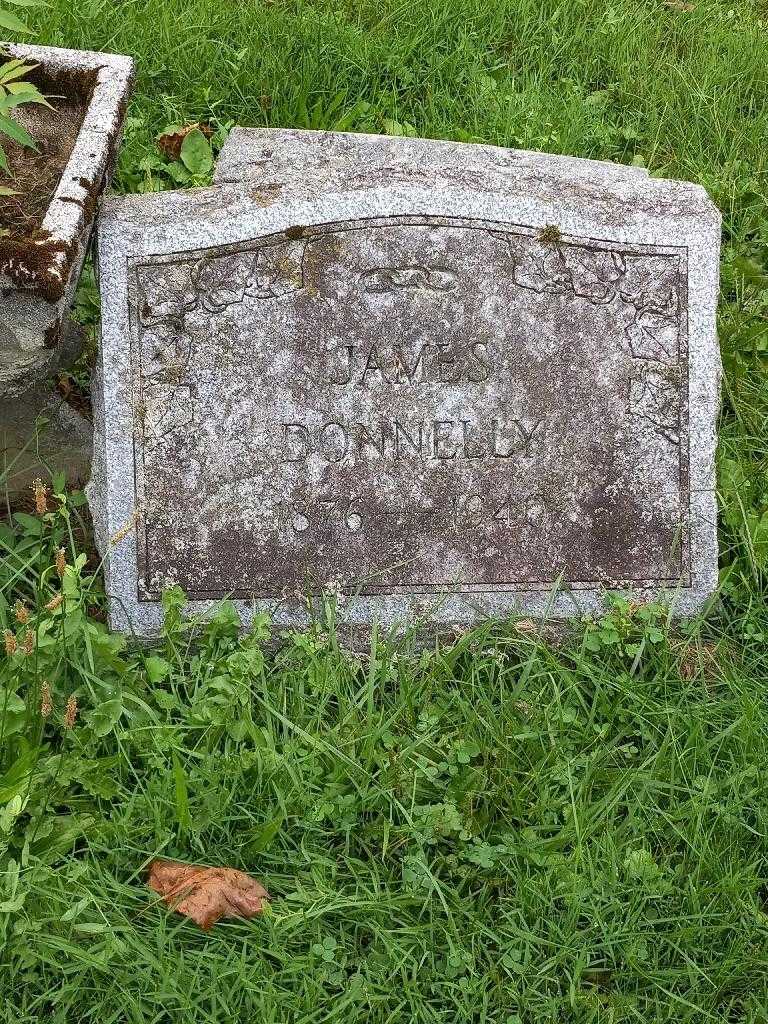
680	5
207	894
170	143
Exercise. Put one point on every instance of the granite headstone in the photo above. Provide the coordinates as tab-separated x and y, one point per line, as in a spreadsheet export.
447	382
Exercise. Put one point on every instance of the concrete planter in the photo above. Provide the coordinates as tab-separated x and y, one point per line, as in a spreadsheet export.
39	274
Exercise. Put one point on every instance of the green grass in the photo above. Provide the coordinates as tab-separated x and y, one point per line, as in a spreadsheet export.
507	830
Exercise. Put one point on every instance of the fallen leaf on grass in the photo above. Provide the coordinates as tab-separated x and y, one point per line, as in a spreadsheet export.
680	5
170	142
207	894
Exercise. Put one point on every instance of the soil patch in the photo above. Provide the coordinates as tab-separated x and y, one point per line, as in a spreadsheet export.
36	175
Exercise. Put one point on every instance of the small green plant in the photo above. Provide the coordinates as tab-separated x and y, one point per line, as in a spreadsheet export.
10	22
15	88
182	156
15	91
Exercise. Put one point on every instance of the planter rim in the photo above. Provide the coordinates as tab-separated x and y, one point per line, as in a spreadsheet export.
72	208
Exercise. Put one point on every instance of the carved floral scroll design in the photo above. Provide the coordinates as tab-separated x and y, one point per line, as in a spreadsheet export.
654	400
649	284
169	292
410	278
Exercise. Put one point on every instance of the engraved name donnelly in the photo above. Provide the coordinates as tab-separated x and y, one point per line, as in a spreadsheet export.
416	439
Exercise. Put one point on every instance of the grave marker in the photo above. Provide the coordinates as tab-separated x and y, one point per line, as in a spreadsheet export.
452	382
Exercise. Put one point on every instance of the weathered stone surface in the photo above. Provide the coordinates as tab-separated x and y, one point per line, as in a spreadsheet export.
38	282
449	395
278	157
40	434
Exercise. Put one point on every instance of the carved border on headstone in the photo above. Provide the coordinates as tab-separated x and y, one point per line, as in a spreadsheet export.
596	271
218	281
655	399
213	282
602	277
